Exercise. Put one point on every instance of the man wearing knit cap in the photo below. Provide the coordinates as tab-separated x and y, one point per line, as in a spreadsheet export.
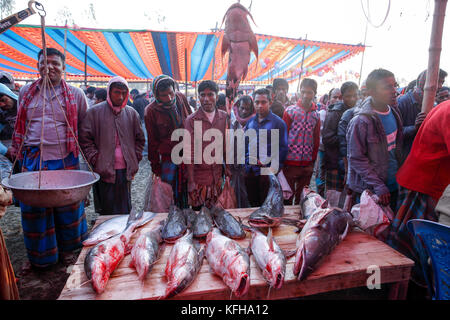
163	116
112	140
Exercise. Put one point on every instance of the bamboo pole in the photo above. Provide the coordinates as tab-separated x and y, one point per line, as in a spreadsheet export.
434	55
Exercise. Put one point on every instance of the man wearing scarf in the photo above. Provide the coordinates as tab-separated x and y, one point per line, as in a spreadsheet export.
243	110
410	107
49	233
163	115
205	179
112	140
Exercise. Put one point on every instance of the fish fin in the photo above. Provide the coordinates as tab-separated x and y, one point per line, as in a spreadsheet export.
225	45
324	204
253	44
344	234
270	240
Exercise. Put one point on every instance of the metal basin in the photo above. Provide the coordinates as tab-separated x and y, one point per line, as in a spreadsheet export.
58	188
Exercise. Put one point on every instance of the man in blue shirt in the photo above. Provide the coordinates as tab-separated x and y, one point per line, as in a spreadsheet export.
268	153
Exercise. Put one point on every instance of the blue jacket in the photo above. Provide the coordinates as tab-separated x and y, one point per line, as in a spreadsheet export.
409	109
367	151
269	123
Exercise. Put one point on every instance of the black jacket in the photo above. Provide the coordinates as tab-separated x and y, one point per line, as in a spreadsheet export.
139	105
330	137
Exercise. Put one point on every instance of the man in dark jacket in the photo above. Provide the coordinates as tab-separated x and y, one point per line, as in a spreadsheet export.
333	161
166	113
139	103
410	106
374	140
112	140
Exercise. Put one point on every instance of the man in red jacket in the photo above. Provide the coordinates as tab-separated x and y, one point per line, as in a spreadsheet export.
423	177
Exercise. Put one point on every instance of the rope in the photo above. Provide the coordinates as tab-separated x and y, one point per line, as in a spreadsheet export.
367	15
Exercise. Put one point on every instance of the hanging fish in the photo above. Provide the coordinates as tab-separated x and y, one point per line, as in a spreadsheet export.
239	40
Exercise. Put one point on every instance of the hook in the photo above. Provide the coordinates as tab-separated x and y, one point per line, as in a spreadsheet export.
40	8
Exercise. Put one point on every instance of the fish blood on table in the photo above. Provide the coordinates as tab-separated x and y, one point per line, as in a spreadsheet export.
229	261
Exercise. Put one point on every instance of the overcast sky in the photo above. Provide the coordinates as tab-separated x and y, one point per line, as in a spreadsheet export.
400	45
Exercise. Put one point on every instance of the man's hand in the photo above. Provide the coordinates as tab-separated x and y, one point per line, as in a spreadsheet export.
384	199
419	119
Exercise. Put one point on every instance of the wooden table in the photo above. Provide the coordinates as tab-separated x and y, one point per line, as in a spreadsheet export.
346	267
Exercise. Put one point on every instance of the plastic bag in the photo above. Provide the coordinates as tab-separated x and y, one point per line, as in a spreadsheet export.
227	199
285	187
158	195
372	217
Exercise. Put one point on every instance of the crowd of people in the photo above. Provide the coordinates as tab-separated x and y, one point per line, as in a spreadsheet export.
374	137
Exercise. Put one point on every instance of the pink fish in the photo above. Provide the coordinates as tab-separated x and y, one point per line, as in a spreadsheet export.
229	261
239	40
102	259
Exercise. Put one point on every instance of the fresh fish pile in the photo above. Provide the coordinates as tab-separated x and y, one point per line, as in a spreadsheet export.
239	40
113	226
183	264
146	251
227	224
203	223
229	261
271	260
271	212
103	258
310	201
175	225
323	231
190	217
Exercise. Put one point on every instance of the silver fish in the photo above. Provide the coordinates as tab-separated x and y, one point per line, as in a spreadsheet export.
183	264
271	212
323	231
271	260
175	225
310	201
112	227
146	251
103	258
229	261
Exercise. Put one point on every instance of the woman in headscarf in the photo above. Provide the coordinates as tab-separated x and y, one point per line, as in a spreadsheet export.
163	115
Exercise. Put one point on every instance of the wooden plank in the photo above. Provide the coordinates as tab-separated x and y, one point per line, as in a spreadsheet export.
346	267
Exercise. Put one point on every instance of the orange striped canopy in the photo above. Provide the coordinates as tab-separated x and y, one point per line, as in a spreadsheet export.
144	54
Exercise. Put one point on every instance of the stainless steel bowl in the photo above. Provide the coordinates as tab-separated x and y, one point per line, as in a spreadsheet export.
58	188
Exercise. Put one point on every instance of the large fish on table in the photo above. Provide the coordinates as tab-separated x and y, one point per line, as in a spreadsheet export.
323	231
203	223
175	225
310	201
227	224
271	212
183	264
271	260
103	258
229	261
113	226
146	251
239	40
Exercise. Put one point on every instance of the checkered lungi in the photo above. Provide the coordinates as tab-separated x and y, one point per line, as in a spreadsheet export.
48	231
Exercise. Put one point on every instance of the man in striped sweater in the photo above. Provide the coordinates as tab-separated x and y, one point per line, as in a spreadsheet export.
303	125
